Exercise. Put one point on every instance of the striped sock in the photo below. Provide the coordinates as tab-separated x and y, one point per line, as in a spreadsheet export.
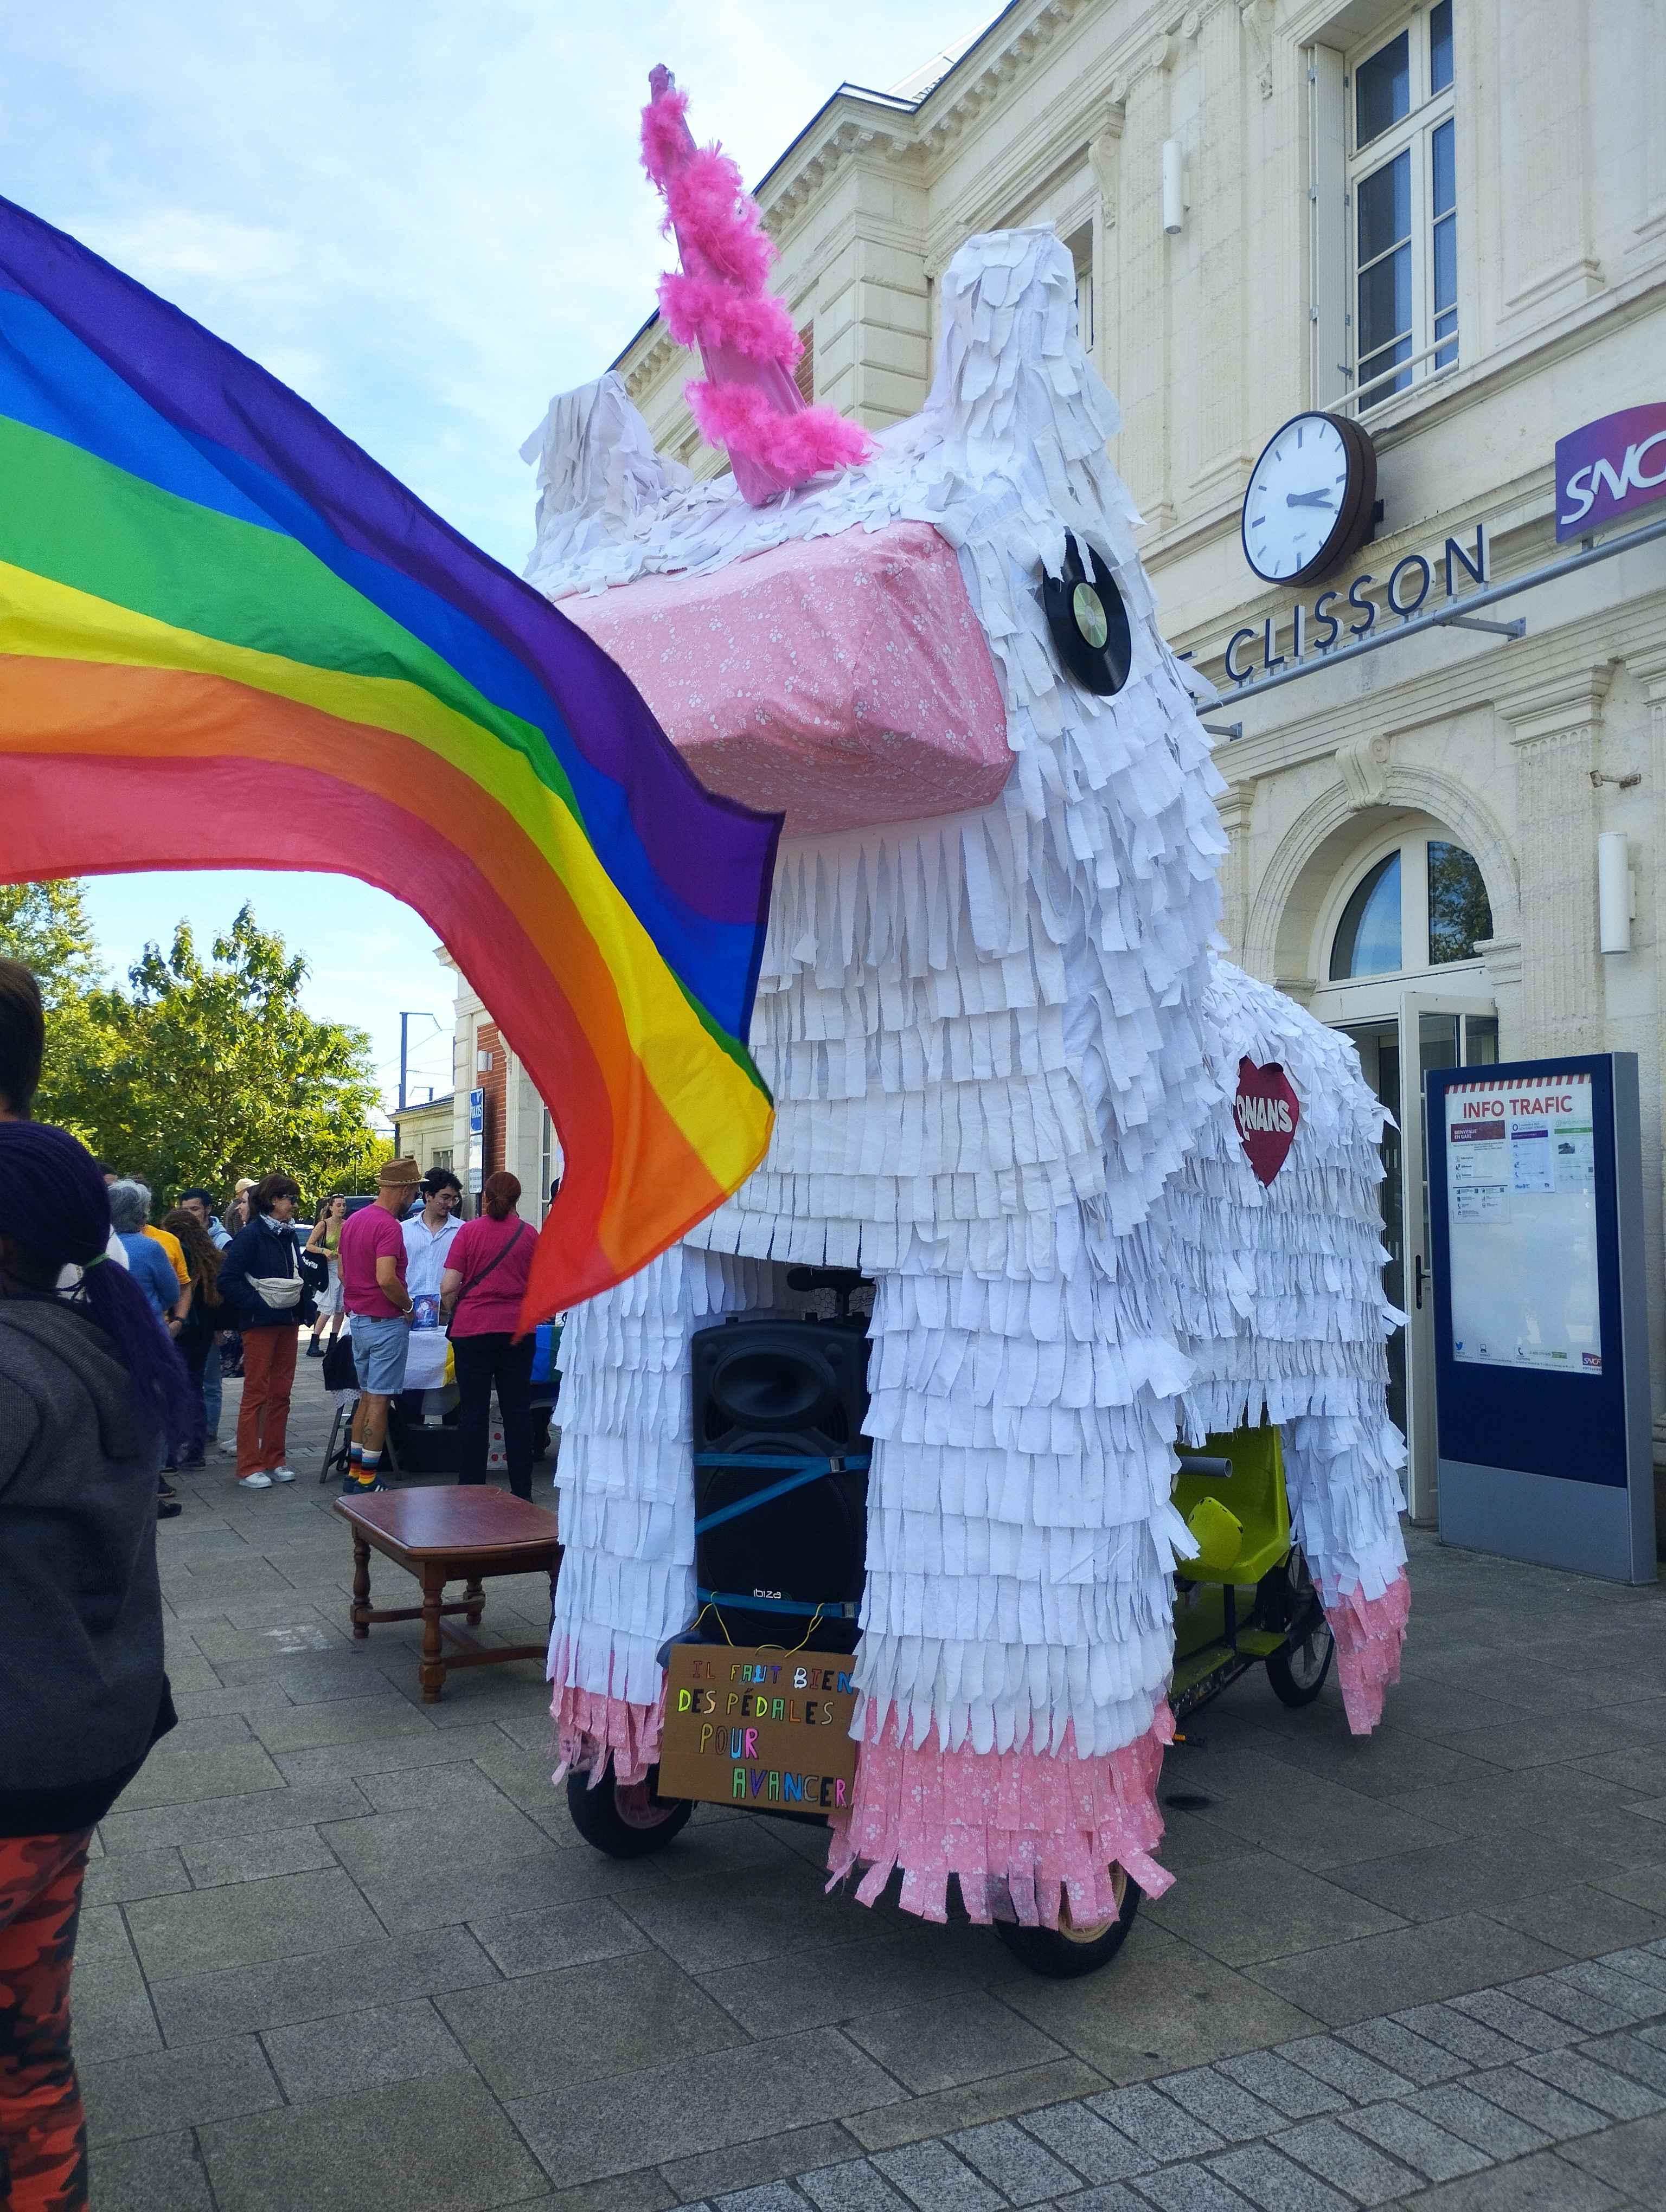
369	1462
354	1453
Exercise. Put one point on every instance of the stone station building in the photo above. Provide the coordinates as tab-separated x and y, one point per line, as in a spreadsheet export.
1446	223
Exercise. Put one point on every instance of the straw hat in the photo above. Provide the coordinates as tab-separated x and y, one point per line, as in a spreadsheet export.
396	1174
243	1183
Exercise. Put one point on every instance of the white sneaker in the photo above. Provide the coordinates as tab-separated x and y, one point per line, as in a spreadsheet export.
255	1481
282	1473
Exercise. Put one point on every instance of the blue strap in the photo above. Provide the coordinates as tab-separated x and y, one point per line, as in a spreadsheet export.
857	1460
804	1470
775	1605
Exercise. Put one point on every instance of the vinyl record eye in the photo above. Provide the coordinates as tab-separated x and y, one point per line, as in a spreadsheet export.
1088	620
1088	609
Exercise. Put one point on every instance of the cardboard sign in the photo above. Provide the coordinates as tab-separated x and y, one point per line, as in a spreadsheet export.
1267	1113
748	1725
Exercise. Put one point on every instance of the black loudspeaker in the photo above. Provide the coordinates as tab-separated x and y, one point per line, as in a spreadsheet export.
778	1411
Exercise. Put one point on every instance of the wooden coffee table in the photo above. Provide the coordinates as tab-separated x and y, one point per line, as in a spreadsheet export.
449	1533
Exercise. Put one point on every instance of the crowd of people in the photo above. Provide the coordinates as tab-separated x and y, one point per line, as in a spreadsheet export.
426	1298
405	1275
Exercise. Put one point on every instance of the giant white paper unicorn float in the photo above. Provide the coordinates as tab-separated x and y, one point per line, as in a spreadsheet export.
1005	1053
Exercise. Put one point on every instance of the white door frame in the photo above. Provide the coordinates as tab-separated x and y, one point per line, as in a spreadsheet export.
1422	1456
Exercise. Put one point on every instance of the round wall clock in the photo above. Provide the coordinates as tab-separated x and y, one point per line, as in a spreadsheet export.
1312	499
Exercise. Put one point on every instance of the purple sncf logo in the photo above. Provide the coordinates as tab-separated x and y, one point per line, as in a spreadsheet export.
1608	467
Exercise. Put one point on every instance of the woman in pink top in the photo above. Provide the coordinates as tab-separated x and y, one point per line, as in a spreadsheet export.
481	1289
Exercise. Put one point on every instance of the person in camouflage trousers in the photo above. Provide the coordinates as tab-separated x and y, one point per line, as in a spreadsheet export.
43	2138
91	1394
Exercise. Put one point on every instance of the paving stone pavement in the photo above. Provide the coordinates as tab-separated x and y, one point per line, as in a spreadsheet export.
340	1948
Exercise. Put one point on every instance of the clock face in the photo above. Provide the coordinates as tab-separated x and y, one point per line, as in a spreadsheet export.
1307	504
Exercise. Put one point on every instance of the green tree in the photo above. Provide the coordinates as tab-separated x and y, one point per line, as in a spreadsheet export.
201	1070
46	926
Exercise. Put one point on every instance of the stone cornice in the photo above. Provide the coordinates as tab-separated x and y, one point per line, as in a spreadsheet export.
1557	701
852	125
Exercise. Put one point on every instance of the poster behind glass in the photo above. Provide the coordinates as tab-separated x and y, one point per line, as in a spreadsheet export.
1521	1178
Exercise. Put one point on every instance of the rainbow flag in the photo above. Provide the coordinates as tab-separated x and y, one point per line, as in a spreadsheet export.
228	638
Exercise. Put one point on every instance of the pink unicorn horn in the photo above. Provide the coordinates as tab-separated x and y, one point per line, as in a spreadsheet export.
719	301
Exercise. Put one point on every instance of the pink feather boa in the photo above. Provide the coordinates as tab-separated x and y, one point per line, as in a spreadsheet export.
665	132
719	302
797	447
716	219
702	311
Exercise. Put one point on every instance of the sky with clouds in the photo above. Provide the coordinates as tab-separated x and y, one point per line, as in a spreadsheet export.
427	218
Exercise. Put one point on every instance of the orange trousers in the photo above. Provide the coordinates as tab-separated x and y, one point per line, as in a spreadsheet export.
263	1419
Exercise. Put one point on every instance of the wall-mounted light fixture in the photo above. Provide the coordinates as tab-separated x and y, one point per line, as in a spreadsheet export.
1615	901
1174	187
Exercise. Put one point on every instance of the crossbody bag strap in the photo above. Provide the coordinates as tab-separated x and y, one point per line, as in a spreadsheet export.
496	1260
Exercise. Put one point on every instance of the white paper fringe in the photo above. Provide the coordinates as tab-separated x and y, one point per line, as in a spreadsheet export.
1003	1055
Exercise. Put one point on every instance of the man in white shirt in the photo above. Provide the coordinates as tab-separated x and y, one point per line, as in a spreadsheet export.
428	1237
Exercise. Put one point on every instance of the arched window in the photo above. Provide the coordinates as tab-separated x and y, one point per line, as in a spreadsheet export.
1459	913
1367	939
1422	905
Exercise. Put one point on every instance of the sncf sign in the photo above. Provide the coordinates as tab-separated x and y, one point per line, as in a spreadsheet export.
1608	467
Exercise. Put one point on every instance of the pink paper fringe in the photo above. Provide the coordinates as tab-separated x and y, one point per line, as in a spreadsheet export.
1021	1830
591	1724
1368	1632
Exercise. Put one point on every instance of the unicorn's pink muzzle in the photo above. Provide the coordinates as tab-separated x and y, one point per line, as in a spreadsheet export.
841	681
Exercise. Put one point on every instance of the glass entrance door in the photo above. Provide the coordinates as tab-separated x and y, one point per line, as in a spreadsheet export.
1397	1050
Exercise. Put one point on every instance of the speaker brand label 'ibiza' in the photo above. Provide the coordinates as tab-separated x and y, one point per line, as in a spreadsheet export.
755	1725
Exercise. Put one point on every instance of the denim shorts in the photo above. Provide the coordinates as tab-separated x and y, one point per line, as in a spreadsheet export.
379	1353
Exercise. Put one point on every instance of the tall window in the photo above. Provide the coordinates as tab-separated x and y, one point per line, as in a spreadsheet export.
1423	905
1402	189
1080	249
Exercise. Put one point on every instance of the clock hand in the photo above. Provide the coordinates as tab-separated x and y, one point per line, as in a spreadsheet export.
1308	499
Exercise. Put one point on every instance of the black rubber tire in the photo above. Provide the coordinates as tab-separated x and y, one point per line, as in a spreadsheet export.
1063	1957
1297	1689
647	1822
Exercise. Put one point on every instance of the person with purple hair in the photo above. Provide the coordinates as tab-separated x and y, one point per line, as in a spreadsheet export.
90	1388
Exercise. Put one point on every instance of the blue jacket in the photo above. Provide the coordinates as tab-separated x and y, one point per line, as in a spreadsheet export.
265	1247
160	1285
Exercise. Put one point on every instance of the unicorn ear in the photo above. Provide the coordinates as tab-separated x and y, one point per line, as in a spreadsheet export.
720	301
597	473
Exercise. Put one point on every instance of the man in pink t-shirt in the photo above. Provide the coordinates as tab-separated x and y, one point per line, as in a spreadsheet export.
371	1261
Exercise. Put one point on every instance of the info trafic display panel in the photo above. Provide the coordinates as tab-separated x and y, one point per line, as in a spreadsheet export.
1521	1213
1540	1332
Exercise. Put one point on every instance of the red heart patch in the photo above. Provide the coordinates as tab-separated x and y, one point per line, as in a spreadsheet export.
1267	1113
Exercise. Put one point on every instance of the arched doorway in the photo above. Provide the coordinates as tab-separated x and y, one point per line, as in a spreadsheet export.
1395	958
